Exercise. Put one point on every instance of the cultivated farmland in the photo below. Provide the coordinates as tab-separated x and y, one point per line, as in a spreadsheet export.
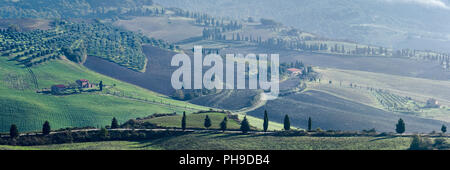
21	104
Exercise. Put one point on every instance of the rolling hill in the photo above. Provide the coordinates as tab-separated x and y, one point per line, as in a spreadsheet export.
418	24
21	104
329	112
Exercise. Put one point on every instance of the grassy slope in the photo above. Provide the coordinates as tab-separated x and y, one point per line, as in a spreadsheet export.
194	121
22	106
210	141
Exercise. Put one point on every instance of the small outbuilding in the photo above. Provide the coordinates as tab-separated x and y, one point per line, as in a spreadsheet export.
84	83
58	88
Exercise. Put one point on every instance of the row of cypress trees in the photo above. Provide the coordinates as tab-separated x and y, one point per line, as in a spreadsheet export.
14	131
245	125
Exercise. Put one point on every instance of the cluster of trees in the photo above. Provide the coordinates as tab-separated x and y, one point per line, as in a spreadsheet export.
303	45
77	9
28	48
206	20
213	34
243	37
188	94
76	41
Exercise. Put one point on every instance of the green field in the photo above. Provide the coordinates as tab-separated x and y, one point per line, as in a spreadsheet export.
218	141
21	105
194	121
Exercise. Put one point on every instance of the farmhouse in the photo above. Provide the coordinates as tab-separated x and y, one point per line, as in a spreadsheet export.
58	88
83	83
432	103
294	71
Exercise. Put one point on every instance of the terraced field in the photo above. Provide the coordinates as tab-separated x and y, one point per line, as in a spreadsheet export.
74	41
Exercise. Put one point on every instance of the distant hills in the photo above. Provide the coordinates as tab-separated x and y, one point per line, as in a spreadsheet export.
418	24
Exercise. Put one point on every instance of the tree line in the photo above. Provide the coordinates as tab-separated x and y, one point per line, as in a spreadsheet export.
245	127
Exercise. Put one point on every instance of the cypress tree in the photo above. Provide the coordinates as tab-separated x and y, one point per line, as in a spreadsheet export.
207	123
287	123
245	126
101	85
13	131
46	128
103	133
444	128
309	124
183	121
114	124
223	124
266	121
400	127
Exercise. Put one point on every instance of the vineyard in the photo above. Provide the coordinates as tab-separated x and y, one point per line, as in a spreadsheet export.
76	41
397	103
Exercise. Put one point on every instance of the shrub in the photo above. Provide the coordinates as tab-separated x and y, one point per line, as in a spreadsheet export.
207	122
114	124
438	142
245	126
103	133
46	128
400	127
419	143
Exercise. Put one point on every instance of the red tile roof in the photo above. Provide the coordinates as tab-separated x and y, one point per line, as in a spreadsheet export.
294	70
60	86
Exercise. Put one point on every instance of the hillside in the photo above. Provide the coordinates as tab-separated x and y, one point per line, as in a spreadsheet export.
333	113
155	78
400	24
21	104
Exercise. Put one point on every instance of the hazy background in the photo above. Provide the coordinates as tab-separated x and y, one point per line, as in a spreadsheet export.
418	24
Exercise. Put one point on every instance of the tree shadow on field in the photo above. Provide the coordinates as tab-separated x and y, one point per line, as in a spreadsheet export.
154	142
383	138
236	135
